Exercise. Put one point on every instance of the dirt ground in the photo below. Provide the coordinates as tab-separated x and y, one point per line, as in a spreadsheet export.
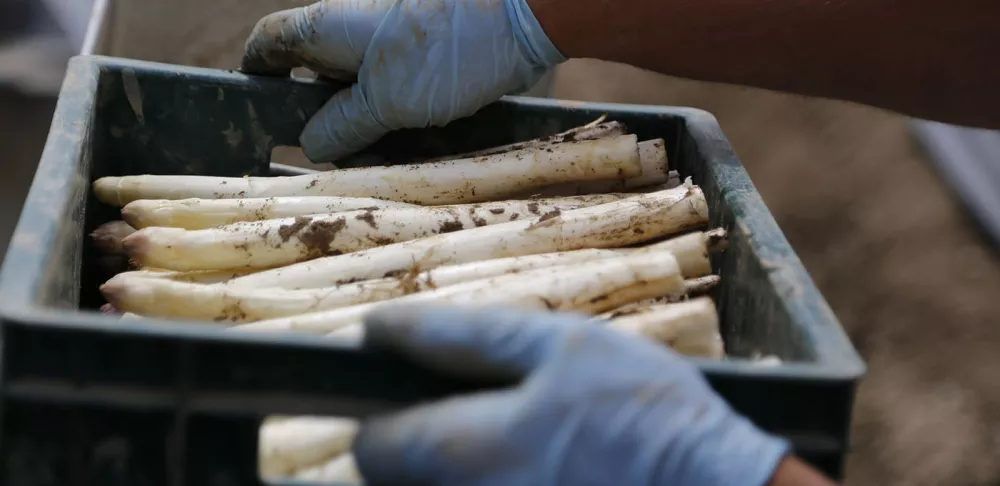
903	268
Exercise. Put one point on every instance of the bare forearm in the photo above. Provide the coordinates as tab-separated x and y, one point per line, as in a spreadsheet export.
793	472
928	58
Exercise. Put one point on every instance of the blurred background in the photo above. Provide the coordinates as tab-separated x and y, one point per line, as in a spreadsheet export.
896	219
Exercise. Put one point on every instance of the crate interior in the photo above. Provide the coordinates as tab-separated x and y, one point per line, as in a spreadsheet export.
152	121
86	403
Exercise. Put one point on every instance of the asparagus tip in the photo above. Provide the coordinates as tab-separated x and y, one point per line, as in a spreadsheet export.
136	244
113	291
105	189
132	216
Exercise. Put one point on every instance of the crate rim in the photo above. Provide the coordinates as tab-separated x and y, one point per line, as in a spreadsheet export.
836	359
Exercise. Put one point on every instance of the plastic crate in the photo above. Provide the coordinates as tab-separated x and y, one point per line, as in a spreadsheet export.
88	399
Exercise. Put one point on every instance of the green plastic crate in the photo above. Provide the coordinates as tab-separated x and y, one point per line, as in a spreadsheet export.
90	400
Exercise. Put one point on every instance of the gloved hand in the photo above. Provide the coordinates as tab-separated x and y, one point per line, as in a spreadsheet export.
419	63
595	408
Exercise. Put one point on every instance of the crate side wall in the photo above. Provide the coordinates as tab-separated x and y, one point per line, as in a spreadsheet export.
752	314
59	444
167	380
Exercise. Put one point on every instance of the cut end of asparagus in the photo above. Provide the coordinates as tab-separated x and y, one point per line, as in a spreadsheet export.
691	328
717	240
702	285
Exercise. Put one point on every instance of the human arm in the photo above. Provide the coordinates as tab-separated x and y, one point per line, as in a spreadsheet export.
927	58
593	407
793	472
424	63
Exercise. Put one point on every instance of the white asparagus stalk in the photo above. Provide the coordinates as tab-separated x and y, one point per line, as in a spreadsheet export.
692	288
210	213
692	250
716	240
294	443
691	327
592	131
166	298
621	223
277	242
591	287
199	277
162	297
108	236
655	171
339	470
451	182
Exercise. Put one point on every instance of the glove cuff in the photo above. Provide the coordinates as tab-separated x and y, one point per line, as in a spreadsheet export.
536	45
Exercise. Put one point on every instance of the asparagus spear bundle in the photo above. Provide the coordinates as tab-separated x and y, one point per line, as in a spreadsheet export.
346	256
226	257
625	222
593	287
617	239
147	294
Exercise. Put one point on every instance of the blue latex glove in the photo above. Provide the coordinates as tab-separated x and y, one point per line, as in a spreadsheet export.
419	63
595	408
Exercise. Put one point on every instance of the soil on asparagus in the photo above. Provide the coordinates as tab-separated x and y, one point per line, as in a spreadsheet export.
892	250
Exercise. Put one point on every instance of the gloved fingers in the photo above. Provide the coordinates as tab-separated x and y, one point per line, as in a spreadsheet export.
344	125
439	443
282	41
478	343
